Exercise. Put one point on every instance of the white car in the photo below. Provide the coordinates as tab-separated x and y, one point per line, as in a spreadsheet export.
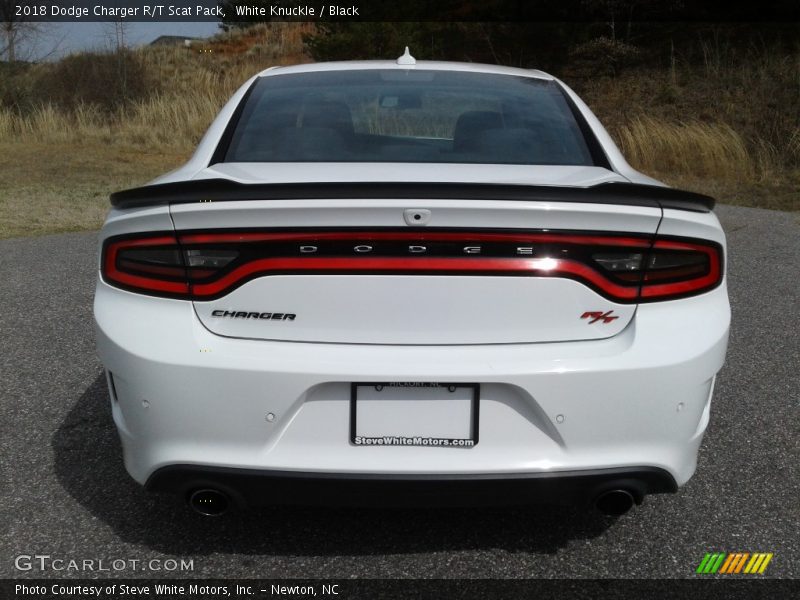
410	282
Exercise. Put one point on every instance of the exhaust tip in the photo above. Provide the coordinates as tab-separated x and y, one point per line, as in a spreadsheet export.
209	502
614	502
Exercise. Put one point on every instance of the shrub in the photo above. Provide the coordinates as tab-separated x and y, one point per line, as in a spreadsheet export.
107	80
603	56
13	91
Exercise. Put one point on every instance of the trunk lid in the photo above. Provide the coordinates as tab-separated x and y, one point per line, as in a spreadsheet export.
395	293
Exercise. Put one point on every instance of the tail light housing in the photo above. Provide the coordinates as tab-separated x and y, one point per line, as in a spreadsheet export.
624	268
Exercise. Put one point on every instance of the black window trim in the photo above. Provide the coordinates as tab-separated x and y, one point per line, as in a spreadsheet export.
596	150
227	136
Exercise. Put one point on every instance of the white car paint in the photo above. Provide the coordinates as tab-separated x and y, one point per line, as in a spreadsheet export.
557	395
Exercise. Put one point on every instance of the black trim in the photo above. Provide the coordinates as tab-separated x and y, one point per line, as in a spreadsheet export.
223	190
227	136
599	156
254	487
113	386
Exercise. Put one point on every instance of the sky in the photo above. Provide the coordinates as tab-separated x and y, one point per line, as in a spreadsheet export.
55	40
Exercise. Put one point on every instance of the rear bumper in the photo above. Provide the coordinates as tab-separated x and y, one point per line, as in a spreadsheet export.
184	396
250	488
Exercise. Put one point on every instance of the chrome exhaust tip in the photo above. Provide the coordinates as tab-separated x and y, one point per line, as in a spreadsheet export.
614	502
209	502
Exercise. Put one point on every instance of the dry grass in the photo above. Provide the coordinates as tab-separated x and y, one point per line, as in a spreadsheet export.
169	121
51	187
7	123
711	158
692	148
48	124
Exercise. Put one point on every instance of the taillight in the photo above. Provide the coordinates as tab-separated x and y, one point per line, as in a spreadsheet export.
625	268
159	266
671	268
677	268
149	264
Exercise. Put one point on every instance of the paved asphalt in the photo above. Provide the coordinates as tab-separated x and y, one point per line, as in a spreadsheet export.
65	492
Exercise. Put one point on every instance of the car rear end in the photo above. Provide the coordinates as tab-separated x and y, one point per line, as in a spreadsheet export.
287	328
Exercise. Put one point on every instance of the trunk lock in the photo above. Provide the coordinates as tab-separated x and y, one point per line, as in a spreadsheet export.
417	216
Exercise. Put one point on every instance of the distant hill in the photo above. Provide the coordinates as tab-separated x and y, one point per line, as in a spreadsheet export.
174	40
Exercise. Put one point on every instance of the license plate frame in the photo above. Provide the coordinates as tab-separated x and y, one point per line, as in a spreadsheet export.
414	440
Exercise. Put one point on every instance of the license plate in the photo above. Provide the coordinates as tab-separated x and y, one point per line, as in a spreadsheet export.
443	415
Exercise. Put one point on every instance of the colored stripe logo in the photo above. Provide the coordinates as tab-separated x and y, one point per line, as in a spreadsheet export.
732	563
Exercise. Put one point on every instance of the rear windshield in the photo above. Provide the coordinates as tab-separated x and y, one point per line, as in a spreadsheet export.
407	116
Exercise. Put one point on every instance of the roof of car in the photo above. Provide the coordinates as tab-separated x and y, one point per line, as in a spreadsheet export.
358	65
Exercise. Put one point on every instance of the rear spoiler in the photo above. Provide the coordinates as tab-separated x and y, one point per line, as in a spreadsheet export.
225	190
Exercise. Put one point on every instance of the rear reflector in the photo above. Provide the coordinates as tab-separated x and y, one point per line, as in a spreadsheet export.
624	268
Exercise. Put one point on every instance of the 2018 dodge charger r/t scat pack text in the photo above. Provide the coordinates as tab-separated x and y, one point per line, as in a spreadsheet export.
439	282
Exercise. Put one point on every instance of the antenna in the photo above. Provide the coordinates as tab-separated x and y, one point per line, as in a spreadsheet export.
406	59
